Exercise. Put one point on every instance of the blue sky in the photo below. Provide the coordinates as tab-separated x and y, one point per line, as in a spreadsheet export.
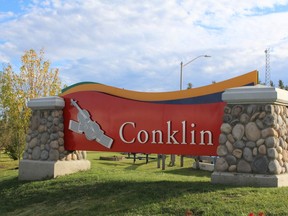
138	45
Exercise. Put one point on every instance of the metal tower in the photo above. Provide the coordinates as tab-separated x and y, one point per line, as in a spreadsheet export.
267	67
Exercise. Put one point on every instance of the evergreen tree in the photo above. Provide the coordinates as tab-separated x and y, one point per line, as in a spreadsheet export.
281	84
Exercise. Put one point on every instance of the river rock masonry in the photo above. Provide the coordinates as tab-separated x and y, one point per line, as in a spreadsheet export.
253	139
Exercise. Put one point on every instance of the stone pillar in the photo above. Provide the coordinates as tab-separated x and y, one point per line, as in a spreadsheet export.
253	144
45	156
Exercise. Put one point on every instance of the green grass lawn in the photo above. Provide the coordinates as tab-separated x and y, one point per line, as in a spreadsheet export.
124	188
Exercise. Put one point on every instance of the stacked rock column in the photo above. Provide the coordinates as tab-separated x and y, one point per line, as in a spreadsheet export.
254	139
253	147
45	148
45	138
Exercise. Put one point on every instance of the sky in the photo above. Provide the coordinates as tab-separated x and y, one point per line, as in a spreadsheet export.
138	45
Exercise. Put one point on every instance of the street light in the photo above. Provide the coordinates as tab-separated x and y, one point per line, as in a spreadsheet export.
183	65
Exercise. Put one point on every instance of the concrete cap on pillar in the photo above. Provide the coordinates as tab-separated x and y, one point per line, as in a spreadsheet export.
255	95
52	102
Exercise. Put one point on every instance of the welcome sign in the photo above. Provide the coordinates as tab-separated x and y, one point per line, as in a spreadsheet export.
103	118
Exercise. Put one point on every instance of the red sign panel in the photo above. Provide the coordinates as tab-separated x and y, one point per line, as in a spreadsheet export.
103	118
101	122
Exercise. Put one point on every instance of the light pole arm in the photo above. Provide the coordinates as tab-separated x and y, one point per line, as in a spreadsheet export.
194	60
183	65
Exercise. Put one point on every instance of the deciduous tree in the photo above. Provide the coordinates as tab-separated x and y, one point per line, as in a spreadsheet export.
35	79
3	125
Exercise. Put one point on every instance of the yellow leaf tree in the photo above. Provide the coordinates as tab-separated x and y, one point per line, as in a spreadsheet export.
35	79
3	125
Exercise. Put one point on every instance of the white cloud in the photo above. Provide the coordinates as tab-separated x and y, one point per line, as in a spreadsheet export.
5	15
139	44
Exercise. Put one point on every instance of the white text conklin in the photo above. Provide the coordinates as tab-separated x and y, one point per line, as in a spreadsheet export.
187	135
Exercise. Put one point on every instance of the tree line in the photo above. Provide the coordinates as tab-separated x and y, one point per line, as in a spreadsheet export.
280	84
34	79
